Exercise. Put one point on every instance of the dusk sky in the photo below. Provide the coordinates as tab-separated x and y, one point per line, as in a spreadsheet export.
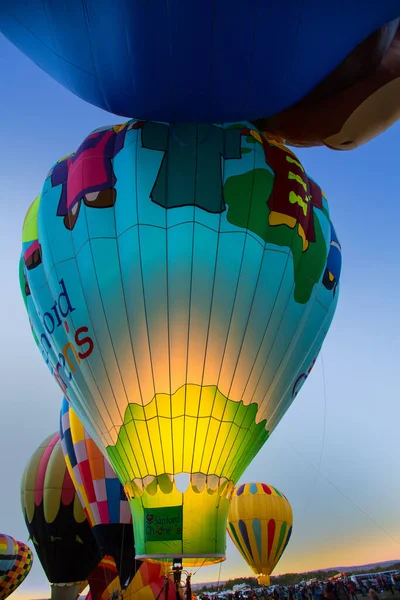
346	418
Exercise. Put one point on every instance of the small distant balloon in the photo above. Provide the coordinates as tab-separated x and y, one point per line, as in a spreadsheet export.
18	572
8	554
260	525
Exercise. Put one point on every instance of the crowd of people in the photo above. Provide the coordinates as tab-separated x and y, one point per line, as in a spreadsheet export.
340	589
334	590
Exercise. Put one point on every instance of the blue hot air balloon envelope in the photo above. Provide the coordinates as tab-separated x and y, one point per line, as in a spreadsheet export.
197	60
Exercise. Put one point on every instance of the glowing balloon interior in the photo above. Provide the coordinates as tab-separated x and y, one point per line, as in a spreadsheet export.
180	280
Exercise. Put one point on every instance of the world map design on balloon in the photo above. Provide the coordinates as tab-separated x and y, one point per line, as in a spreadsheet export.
180	280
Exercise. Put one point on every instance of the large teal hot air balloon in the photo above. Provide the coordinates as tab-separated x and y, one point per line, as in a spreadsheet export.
180	280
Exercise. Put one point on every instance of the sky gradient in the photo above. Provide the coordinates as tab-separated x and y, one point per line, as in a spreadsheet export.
345	419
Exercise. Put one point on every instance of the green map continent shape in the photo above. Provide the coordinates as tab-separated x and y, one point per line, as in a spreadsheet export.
246	196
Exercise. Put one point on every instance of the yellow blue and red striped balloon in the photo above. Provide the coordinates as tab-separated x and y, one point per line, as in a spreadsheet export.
260	525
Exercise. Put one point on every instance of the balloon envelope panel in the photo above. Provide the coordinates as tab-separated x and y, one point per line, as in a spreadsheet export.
191	61
180	296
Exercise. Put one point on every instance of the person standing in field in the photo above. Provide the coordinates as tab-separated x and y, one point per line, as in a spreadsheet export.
373	595
329	592
352	589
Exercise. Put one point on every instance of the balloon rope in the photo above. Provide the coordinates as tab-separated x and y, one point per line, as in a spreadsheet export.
164	587
323	438
108	578
197	570
345	495
219	575
122	583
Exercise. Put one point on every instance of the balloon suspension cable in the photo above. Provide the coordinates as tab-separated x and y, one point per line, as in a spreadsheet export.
164	587
198	568
320	474
188	586
219	575
318	470
117	594
122	583
108	579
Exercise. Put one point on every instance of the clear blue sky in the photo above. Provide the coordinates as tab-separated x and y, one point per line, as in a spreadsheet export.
41	122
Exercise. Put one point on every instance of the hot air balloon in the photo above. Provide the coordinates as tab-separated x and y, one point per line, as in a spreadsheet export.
147	584
18	572
179	297
260	525
197	61
56	522
100	492
8	554
353	104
